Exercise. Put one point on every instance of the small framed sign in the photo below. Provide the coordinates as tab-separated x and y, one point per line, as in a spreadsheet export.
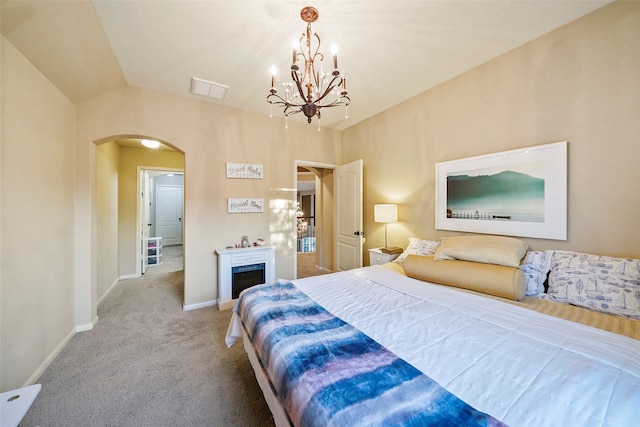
245	205
244	170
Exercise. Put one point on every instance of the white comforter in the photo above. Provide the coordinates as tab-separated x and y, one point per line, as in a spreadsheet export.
522	367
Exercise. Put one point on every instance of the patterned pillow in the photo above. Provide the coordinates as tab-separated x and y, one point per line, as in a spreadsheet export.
418	247
601	283
535	266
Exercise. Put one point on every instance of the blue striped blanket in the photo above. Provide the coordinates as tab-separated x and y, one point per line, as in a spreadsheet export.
328	373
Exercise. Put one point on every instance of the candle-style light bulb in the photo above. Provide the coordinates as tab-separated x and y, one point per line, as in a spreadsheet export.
334	52
295	51
273	77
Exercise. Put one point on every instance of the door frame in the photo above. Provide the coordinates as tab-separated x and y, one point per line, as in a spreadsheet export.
312	165
140	211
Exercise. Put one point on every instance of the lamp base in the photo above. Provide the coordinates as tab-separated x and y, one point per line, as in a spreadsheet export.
391	250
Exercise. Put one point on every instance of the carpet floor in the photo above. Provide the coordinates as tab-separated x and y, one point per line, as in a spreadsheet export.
172	259
306	262
149	363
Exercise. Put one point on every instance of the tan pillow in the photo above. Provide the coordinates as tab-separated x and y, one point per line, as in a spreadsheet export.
498	250
498	280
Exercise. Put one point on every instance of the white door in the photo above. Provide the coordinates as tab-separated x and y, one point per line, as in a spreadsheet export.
145	220
347	214
169	214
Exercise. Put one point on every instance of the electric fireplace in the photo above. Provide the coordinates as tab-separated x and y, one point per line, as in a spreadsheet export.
241	268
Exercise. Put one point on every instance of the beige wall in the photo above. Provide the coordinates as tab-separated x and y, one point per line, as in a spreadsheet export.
107	216
209	136
37	274
130	160
579	84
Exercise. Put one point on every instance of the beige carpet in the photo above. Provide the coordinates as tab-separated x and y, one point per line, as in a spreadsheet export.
149	363
172	259
306	262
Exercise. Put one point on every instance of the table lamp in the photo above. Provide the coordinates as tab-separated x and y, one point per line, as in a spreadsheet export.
386	213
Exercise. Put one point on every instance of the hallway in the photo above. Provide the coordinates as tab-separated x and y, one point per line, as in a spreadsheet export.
172	260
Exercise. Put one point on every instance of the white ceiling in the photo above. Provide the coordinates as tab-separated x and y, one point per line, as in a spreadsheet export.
389	50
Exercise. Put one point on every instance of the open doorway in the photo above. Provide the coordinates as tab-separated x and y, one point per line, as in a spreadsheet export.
314	220
161	221
337	218
118	246
306	238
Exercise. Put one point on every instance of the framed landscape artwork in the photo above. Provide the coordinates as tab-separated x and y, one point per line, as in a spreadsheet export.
514	193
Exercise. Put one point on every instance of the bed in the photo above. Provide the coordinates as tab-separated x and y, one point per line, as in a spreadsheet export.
383	345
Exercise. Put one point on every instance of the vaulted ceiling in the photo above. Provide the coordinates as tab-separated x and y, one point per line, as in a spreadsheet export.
390	50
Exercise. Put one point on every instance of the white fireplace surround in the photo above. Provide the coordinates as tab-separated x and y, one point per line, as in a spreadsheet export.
238	257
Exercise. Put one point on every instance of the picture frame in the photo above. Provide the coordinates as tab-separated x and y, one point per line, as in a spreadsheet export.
519	192
245	205
244	170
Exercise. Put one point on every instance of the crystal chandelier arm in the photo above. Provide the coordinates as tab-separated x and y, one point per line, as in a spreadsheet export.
330	87
288	113
296	79
281	101
316	56
278	101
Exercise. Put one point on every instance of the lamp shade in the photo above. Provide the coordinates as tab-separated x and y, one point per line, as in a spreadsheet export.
385	213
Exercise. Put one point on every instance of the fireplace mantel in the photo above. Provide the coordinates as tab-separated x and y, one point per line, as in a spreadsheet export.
239	268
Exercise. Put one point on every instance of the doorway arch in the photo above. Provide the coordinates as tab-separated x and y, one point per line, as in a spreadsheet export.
129	155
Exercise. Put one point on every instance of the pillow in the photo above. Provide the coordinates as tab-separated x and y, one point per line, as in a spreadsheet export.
498	250
498	280
418	247
600	283
535	266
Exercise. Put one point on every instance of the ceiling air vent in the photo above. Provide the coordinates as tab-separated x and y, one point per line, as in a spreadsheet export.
209	89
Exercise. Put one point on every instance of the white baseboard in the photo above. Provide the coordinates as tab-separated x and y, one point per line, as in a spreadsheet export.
187	307
128	276
78	328
227	305
36	375
109	289
86	326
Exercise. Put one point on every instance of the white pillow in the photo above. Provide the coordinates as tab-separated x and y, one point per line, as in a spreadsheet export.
535	266
418	247
600	283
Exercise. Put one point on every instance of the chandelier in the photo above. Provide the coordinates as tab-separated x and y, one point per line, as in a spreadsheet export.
310	90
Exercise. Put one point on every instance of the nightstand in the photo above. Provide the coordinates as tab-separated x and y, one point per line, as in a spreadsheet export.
377	257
